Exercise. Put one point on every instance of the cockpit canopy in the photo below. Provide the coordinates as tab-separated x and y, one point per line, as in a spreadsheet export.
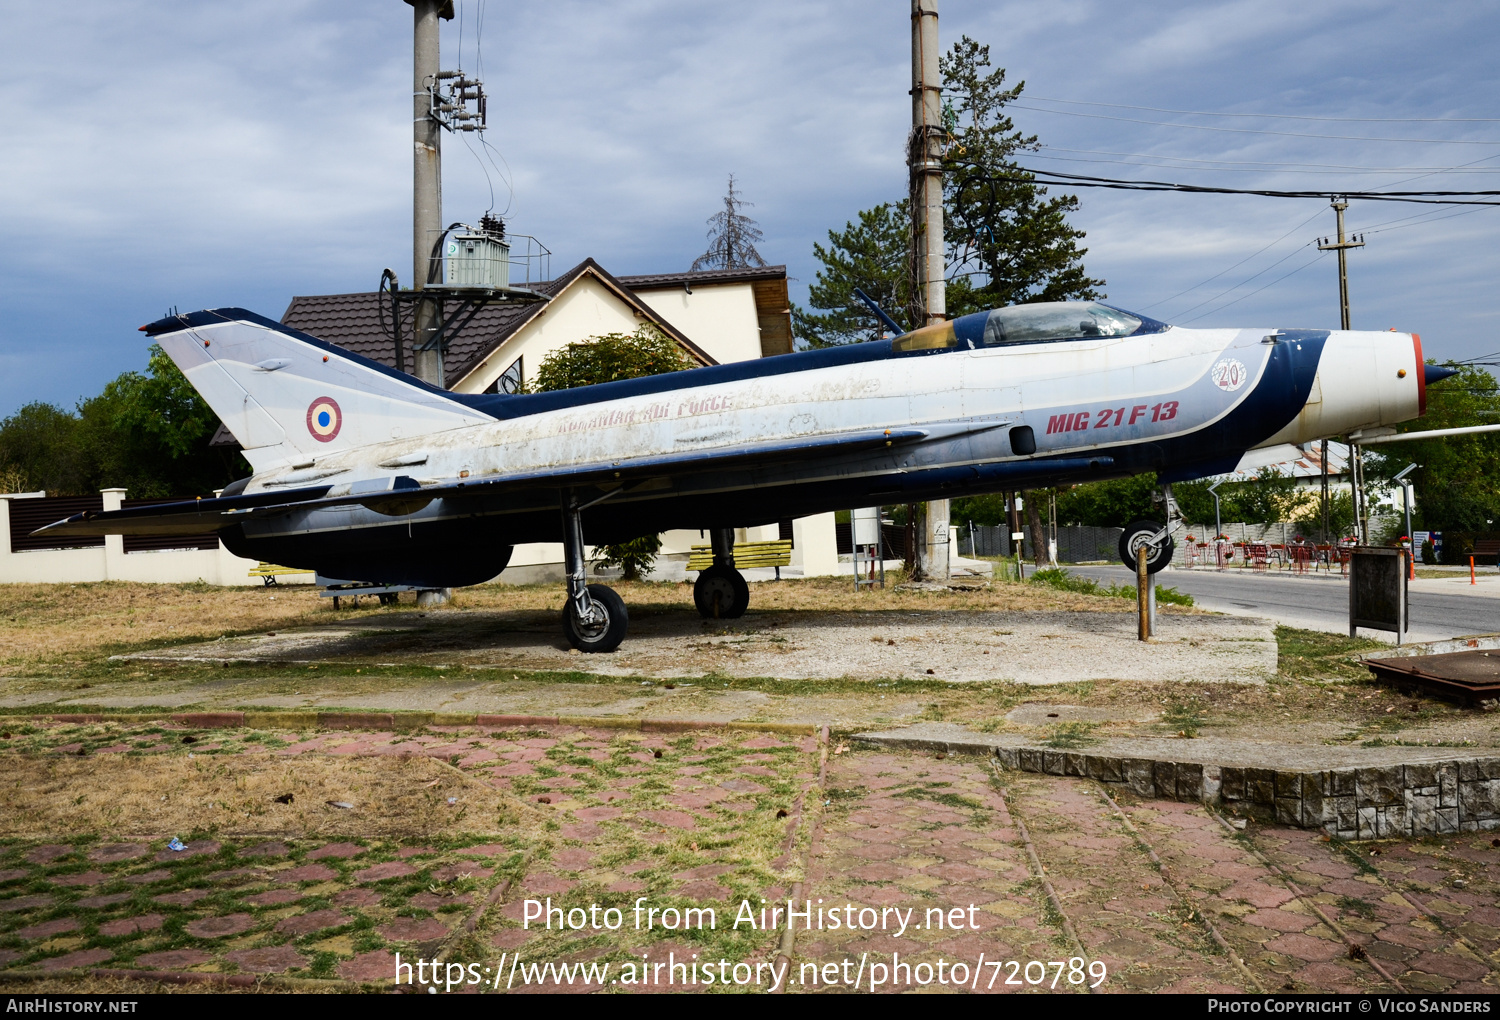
1026	324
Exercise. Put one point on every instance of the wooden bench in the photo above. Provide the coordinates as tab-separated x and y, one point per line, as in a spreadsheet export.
1487	547
269	572
776	554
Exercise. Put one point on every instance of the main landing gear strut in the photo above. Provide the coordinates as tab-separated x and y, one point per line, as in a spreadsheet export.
594	618
720	593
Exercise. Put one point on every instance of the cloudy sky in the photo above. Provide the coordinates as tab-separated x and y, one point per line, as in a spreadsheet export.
203	154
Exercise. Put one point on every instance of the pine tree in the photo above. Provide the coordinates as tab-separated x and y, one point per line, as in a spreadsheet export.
1008	242
871	255
731	236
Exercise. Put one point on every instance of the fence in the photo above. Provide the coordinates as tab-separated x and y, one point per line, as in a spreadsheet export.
1077	543
46	559
893	536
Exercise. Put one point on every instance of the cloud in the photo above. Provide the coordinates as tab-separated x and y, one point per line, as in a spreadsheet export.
197	155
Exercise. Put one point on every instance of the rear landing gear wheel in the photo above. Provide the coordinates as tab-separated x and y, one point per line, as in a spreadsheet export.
720	593
1152	535
604	629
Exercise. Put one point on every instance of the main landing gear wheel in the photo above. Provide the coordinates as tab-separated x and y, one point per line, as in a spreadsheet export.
1144	533
605	628
721	593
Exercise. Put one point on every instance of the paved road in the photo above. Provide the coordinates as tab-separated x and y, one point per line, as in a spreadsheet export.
1439	608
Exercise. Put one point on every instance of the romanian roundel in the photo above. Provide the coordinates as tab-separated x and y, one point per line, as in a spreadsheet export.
324	419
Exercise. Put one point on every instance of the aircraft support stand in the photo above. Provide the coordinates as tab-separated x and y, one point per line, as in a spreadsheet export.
720	592
594	617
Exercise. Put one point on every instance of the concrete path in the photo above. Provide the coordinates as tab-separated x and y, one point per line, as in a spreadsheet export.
1025	647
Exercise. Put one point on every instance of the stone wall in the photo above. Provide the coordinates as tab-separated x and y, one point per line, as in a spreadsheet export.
1371	802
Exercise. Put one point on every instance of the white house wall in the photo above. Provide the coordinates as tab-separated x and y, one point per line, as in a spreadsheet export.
584	309
720	318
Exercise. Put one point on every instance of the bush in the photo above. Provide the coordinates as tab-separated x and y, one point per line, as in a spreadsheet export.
1055	577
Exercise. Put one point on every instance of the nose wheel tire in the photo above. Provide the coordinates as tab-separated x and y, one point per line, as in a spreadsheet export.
720	593
606	630
1142	533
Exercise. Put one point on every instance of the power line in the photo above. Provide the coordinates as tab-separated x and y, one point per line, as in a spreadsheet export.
1282	167
1422	197
1280	116
1255	131
1242	283
1232	268
1243	297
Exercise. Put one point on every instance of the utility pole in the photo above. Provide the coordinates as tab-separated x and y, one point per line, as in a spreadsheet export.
1356	454
1342	246
427	182
924	157
1323	457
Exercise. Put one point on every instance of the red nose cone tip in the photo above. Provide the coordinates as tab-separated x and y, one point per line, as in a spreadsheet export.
142	329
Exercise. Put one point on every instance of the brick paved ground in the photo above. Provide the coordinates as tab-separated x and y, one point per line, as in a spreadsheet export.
691	819
934	832
713	818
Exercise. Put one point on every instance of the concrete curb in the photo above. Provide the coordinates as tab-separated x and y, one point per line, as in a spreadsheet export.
409	721
1358	802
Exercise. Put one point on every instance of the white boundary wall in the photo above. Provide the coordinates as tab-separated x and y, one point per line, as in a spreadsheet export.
814	551
113	563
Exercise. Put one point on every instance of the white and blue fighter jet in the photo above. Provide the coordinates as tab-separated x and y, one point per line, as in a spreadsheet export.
364	473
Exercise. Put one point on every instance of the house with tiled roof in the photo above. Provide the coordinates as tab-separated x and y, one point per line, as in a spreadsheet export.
717	316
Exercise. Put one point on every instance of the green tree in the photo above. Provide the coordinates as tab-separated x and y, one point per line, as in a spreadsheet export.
871	255
1455	486
608	358
1008	242
147	433
1271	496
1109	504
39	447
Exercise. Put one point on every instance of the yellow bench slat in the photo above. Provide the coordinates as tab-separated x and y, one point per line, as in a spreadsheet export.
746	554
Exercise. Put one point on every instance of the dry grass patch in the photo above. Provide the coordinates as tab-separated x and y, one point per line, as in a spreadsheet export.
45	621
395	798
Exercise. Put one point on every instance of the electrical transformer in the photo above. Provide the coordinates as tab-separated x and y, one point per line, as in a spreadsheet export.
478	260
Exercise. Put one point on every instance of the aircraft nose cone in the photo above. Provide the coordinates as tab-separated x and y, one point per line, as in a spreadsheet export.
1436	373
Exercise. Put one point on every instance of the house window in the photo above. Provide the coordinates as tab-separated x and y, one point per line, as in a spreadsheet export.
509	381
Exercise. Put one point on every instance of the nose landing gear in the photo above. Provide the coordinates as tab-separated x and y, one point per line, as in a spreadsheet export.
720	593
1155	536
594	618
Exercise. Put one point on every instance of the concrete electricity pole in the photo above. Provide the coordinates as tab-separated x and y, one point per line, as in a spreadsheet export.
1356	455
924	153
427	180
1342	246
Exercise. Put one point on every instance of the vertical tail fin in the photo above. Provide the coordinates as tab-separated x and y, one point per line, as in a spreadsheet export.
289	397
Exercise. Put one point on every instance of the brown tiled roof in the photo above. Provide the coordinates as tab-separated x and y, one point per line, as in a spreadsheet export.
744	274
353	322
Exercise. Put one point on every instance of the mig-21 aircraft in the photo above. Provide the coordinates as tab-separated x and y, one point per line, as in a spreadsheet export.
362	472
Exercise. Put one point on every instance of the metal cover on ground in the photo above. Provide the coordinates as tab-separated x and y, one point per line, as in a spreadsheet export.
1469	675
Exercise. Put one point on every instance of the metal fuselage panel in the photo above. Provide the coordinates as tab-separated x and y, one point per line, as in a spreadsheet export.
1185	403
